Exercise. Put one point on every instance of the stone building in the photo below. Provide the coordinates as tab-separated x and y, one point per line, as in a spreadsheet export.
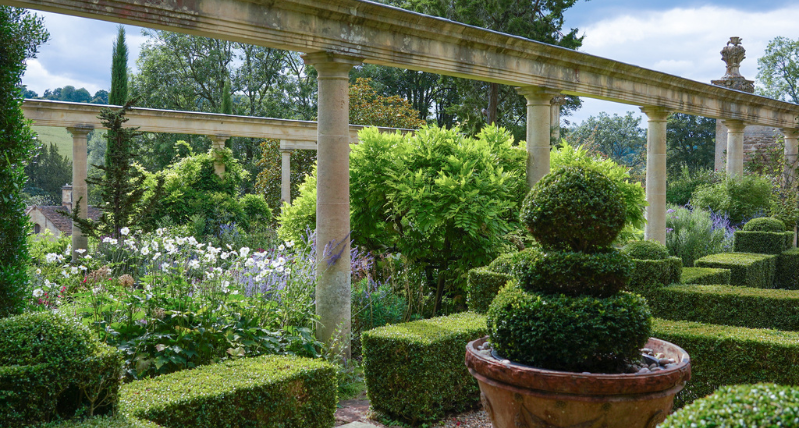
46	217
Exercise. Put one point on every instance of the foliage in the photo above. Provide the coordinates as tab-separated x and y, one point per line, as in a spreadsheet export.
374	304
646	250
574	208
739	197
787	266
269	179
559	332
415	371
632	192
764	224
47	172
697	275
694	233
255	209
746	269
759	355
116	421
367	107
655	273
482	286
778	70
65	371
681	187
619	138
119	70
268	391
761	405
690	143
21	35
762	242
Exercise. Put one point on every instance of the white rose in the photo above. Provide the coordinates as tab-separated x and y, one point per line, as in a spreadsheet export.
124	231
38	292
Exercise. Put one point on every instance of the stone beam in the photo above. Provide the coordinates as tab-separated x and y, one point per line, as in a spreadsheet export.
390	36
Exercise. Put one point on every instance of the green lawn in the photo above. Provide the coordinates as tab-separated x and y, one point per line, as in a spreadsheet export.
57	135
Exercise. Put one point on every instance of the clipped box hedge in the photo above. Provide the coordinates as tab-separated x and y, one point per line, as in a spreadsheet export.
746	269
724	355
415	371
709	276
482	286
53	367
727	305
788	270
117	421
655	273
266	391
762	242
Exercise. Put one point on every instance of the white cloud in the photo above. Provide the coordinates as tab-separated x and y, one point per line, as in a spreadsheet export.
37	79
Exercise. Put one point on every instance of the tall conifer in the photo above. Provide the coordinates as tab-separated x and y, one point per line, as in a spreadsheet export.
119	71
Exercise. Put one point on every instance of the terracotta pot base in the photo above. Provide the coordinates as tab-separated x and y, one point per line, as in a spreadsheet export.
525	397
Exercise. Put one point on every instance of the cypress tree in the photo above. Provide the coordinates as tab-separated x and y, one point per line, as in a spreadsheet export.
227	101
119	71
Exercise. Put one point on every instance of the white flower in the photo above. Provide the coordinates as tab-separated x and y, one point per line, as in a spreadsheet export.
164	267
281	260
244	251
124	231
160	232
80	251
225	284
209	275
145	250
249	263
225	255
228	246
83	268
64	274
289	244
38	292
74	270
38	271
156	256
181	241
194	264
192	241
130	243
209	257
170	248
154	245
88	257
235	292
281	247
53	258
47	283
97	290
287	271
279	269
107	240
218	270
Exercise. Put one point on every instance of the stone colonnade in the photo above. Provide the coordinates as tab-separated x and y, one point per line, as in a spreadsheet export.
80	190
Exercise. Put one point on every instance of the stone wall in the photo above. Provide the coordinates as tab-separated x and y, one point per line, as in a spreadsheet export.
756	138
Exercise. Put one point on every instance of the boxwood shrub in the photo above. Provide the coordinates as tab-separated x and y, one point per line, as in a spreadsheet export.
414	371
509	263
759	405
788	269
53	367
697	275
574	273
746	269
762	242
655	273
726	355
266	391
727	305
568	333
117	421
764	224
482	286
646	250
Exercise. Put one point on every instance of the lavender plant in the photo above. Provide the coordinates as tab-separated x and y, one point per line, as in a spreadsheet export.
692	233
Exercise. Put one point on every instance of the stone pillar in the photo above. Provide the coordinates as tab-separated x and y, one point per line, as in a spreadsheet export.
333	199
720	159
735	146
656	173
218	144
80	191
791	152
285	175
554	119
538	130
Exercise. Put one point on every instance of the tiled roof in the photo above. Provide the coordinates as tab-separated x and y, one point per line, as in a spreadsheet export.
62	222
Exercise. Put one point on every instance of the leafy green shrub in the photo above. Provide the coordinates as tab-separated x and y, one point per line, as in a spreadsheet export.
725	355
759	405
646	250
255	208
509	263
414	371
51	367
746	269
727	305
598	274
788	270
266	391
482	286
655	273
568	333
740	197
374	305
764	224
708	276
117	421
693	234
680	189
573	208
762	242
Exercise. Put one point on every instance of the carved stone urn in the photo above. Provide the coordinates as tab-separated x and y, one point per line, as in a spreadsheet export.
518	396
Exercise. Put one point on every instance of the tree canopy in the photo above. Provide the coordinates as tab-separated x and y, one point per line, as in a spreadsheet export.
690	143
620	138
778	70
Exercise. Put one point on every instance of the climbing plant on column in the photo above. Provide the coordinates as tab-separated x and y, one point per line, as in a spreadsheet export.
21	34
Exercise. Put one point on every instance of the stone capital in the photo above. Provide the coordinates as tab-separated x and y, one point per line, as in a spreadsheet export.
330	64
286	151
538	95
790	132
80	130
656	113
734	125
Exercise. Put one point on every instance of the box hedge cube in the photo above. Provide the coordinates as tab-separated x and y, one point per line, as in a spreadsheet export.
746	269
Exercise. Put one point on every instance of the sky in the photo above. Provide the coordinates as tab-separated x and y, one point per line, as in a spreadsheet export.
679	37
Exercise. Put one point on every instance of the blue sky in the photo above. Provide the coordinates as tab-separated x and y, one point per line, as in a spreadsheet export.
679	37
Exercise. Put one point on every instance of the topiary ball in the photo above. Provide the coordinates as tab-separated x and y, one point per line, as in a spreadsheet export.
599	274
764	224
646	250
574	208
759	405
557	332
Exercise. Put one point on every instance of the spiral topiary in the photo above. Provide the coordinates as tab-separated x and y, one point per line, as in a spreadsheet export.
764	224
574	208
646	250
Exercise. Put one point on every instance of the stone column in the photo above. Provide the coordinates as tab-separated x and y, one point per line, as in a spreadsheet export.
720	159
538	130
554	119
735	146
285	175
333	198
218	144
80	191
791	152
656	173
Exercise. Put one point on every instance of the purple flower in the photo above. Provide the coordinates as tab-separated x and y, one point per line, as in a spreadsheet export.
669	211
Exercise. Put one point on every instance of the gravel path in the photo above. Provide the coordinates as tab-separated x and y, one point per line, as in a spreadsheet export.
358	410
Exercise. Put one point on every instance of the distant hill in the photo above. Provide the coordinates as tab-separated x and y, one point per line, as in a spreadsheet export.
58	136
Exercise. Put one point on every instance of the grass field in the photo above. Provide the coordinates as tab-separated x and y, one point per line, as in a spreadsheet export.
59	136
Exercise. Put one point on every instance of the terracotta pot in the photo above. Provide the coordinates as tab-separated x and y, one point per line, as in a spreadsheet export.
519	396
